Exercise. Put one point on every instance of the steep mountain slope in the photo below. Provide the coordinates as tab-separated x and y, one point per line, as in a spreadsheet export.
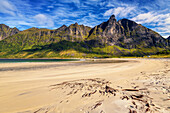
126	33
74	32
168	38
6	31
168	41
77	32
107	32
138	35
37	37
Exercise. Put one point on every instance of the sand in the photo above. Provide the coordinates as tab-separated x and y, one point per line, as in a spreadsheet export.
139	85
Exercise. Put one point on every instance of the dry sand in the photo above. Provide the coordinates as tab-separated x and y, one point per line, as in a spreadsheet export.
137	86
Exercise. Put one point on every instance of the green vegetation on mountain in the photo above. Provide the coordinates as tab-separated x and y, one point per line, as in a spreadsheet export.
6	31
75	50
109	39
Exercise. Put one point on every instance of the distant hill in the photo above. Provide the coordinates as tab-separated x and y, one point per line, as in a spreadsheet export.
109	39
6	31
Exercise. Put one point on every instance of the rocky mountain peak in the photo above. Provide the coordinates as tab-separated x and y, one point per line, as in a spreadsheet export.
32	28
112	20
63	27
3	25
76	24
73	32
6	31
126	33
112	17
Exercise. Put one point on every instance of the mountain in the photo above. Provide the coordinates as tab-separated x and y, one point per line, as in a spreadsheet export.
32	37
74	32
6	31
168	38
110	38
168	41
126	33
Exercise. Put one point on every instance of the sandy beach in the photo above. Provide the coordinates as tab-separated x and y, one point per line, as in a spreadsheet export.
131	86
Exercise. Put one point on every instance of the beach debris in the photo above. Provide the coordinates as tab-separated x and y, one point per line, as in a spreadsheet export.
138	94
89	86
109	90
130	90
96	105
132	111
125	97
89	94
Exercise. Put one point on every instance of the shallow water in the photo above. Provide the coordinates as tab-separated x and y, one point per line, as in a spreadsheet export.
52	65
34	60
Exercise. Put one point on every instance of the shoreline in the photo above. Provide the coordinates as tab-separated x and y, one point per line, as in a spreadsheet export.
67	88
46	65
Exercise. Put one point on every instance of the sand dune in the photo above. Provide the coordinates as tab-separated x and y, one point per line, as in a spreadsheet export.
139	85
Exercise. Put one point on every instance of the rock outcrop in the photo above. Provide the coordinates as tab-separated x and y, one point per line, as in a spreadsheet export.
6	31
126	33
75	32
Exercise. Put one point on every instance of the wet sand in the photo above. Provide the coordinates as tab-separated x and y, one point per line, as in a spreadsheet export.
139	85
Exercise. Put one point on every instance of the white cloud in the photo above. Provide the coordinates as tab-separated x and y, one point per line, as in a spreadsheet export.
66	12
120	11
152	17
51	6
165	36
160	22
19	23
7	8
43	20
48	10
163	29
89	20
77	2
109	12
144	18
24	23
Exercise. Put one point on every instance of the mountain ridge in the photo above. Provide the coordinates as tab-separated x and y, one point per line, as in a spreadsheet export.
122	37
6	31
115	32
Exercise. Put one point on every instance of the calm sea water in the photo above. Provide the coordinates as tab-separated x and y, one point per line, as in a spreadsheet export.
35	60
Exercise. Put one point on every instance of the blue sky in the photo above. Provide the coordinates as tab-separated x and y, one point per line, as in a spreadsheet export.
23	14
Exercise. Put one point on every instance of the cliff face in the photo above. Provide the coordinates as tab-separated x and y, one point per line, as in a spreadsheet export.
168	38
107	32
75	32
126	33
138	35
6	31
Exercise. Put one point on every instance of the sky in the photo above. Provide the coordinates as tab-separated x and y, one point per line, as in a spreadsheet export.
51	14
